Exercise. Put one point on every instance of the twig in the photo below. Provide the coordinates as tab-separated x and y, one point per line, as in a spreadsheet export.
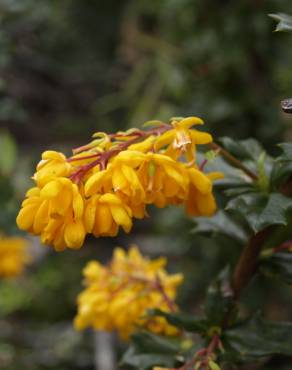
248	261
230	158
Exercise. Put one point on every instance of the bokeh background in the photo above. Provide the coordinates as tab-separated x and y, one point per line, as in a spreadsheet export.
70	68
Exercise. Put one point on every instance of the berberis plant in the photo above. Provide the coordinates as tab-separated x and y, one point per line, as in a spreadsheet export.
109	182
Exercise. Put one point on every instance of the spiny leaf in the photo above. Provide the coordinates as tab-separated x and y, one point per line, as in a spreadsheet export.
258	337
222	224
262	210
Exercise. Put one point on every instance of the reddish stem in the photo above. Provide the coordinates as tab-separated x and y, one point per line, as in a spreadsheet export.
203	164
167	299
104	157
74	159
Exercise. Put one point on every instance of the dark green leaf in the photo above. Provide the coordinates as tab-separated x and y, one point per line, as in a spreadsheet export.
221	223
282	168
284	22
287	152
280	173
242	149
148	350
219	299
257	337
262	210
144	361
183	321
150	343
278	266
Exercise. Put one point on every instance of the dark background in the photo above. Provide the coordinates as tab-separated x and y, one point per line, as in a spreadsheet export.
70	68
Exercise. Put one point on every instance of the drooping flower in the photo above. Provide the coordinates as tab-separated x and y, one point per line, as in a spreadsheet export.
117	296
14	256
110	181
105	213
52	166
55	212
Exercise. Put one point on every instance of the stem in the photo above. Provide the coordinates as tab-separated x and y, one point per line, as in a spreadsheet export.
230	158
169	302
104	157
248	261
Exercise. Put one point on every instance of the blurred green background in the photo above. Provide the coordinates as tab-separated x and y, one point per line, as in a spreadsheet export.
69	68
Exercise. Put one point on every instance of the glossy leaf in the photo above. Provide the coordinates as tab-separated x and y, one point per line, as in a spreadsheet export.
258	337
148	350
284	22
144	361
278	266
282	168
218	299
222	224
262	210
242	149
287	152
183	321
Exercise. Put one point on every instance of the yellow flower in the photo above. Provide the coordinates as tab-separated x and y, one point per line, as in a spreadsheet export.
117	296
105	213
52	165
182	138
200	200
110	181
13	256
162	178
56	213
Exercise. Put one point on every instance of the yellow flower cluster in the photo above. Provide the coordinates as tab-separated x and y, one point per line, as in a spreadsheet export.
117	296
108	182
13	256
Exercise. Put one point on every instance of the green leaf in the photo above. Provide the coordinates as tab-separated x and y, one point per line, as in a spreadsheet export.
258	337
183	321
278	266
242	149
287	152
148	350
284	22
222	224
144	361
262	210
8	147
151	343
280	173
219	298
282	168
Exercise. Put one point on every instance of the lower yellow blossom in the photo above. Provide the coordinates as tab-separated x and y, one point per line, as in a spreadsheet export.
13	256
117	296
56	213
105	213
